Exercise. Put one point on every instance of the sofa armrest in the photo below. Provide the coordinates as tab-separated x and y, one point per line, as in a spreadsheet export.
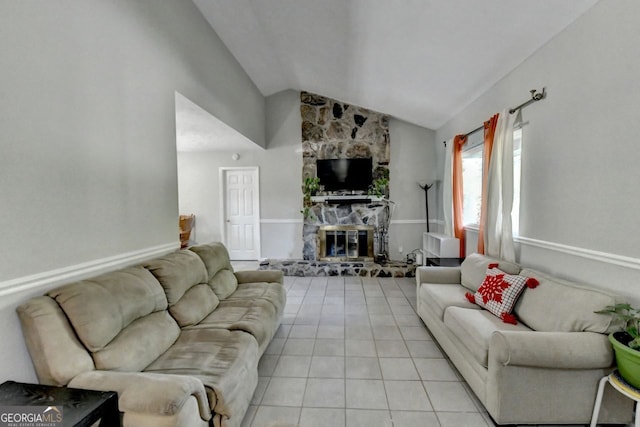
156	394
561	350
440	275
269	276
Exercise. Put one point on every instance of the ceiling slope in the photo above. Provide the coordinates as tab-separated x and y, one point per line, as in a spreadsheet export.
422	61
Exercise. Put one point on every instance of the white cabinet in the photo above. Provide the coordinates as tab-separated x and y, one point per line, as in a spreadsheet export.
438	245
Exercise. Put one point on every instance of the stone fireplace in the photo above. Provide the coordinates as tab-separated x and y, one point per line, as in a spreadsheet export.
372	216
333	129
345	242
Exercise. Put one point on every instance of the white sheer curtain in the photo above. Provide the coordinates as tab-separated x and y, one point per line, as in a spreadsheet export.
447	189
498	228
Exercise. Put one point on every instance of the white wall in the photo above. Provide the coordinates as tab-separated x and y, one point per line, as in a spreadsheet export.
280	180
580	156
88	162
413	162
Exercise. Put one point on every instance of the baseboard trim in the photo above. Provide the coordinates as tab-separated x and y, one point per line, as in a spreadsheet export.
82	270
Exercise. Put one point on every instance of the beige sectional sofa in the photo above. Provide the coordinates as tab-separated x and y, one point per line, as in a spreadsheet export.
543	370
179	338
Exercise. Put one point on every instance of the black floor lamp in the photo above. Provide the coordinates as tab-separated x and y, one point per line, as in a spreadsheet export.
426	201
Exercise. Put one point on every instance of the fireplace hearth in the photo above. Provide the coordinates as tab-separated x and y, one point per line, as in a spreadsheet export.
303	268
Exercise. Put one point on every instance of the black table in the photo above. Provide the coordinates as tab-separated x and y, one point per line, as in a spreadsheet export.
444	262
80	407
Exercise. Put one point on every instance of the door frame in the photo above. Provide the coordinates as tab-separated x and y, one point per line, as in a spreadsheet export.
222	171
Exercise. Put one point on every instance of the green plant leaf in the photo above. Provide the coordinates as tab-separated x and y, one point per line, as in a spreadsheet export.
635	343
626	316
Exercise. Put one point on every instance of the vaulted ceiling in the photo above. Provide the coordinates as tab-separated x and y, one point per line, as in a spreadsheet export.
198	130
422	61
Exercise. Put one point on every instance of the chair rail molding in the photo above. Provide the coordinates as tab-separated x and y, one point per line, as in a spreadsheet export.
606	257
393	221
281	220
600	256
415	221
83	270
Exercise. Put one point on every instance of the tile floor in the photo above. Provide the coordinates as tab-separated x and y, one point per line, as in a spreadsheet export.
352	352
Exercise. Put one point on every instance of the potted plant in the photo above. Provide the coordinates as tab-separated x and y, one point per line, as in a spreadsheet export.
310	187
626	343
379	187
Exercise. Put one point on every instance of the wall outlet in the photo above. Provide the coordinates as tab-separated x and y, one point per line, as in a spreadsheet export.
400	249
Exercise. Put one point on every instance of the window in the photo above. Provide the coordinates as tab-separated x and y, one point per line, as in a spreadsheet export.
472	154
517	157
472	179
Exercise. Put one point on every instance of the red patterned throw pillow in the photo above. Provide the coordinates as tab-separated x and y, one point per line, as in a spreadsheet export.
500	291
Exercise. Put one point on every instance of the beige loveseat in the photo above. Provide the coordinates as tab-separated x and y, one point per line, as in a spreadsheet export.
543	370
179	338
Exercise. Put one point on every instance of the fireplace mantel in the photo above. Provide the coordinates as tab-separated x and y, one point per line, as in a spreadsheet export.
346	198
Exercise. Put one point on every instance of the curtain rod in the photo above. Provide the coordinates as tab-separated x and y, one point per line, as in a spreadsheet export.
478	129
535	96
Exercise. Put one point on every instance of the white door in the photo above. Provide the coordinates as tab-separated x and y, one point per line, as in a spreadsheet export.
241	212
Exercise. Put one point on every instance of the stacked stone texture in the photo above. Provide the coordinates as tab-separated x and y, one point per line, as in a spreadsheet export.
336	268
374	214
335	130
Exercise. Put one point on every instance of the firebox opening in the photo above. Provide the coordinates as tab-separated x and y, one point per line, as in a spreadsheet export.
345	243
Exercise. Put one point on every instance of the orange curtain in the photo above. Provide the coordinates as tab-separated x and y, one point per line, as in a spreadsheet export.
489	133
458	226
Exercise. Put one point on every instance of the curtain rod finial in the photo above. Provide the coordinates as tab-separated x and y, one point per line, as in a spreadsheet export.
535	96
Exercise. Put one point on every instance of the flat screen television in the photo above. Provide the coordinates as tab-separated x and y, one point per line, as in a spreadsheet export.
345	174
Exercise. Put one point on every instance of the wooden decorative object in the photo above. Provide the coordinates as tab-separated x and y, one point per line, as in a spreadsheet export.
186	225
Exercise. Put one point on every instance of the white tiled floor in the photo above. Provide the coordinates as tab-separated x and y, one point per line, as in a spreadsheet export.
352	352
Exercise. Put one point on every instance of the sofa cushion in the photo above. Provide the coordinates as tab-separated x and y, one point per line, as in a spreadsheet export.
55	350
100	308
196	304
183	277
474	267
259	276
219	270
223	283
138	344
474	328
257	317
499	292
563	306
215	257
274	293
438	297
225	361
177	272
